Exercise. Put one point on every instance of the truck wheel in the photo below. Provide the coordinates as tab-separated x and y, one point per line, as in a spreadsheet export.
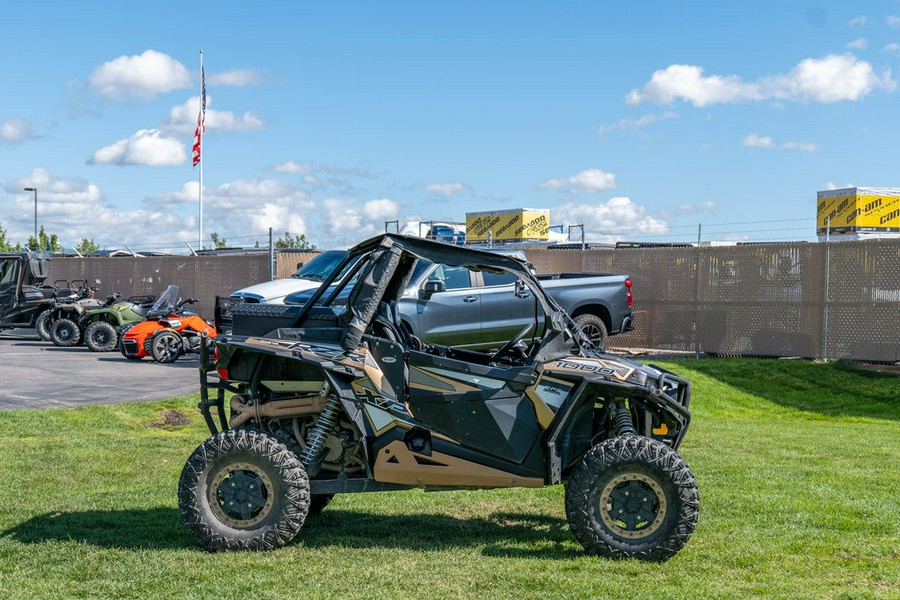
165	346
632	497
64	333
594	328
42	325
100	336
243	490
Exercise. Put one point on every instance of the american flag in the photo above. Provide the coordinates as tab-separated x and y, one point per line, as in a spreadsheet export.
201	118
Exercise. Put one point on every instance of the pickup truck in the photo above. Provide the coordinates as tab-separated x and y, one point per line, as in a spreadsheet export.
307	277
481	310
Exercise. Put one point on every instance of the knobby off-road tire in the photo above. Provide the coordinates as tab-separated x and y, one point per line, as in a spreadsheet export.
632	497
165	346
101	336
42	325
243	490
593	327
65	333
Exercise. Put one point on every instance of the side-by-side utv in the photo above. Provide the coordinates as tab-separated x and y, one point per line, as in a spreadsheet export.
335	396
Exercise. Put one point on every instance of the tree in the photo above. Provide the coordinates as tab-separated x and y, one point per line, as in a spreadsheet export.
87	246
294	242
44	242
217	241
5	246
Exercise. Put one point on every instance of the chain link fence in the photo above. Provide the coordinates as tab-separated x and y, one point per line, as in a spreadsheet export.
836	300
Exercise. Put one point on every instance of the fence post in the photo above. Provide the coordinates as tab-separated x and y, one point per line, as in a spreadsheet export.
696	326
271	255
827	291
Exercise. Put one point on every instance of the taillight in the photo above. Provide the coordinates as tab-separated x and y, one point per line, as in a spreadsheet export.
628	291
223	374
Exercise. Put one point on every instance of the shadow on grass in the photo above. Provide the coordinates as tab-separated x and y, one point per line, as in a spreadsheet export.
834	389
501	534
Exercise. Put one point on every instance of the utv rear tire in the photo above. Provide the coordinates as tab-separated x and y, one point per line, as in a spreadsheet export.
632	497
166	346
65	333
238	466
100	336
594	328
42	325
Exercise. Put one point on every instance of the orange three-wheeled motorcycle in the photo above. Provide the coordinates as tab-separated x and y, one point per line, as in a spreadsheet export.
169	331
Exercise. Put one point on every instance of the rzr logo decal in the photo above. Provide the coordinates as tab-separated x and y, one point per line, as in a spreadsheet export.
600	367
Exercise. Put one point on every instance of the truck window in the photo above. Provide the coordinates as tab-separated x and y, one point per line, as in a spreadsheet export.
498	278
454	278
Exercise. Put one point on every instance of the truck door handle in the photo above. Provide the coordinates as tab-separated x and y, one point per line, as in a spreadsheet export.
470	299
524	294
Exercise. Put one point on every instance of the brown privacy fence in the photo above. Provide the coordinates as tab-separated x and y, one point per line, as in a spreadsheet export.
202	277
837	300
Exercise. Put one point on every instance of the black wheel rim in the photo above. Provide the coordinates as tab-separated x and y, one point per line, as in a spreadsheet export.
241	495
64	334
633	505
101	337
166	347
593	333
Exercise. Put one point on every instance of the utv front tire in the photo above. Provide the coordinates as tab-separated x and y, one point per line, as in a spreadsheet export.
243	490
64	333
100	336
632	497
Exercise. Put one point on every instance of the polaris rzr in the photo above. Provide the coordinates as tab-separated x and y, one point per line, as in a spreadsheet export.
334	397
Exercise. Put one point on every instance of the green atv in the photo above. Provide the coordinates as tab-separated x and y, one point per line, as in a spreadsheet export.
336	396
98	326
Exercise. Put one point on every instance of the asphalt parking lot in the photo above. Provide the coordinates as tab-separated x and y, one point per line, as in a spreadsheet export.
37	374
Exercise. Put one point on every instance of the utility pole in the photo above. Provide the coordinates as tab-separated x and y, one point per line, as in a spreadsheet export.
36	240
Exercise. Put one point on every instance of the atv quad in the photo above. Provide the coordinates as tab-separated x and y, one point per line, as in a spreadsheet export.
337	398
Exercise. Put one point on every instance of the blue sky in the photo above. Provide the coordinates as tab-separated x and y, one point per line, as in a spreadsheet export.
638	119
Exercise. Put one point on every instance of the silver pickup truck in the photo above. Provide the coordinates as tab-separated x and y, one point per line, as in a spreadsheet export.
480	310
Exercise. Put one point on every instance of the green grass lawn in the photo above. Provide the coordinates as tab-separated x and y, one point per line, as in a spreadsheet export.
798	466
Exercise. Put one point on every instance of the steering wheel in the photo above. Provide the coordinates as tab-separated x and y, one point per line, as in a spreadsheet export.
512	343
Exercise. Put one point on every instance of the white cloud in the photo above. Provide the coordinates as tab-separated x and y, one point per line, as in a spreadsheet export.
75	208
145	76
859	44
892	48
615	219
705	206
183	118
830	79
756	141
236	78
628	123
858	21
15	130
591	180
380	209
147	147
365	220
447	190
893	21
290	167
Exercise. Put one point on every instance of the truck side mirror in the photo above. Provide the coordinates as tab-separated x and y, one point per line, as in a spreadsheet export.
432	287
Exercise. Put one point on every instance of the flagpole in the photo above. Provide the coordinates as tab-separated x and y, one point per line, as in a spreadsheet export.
200	240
